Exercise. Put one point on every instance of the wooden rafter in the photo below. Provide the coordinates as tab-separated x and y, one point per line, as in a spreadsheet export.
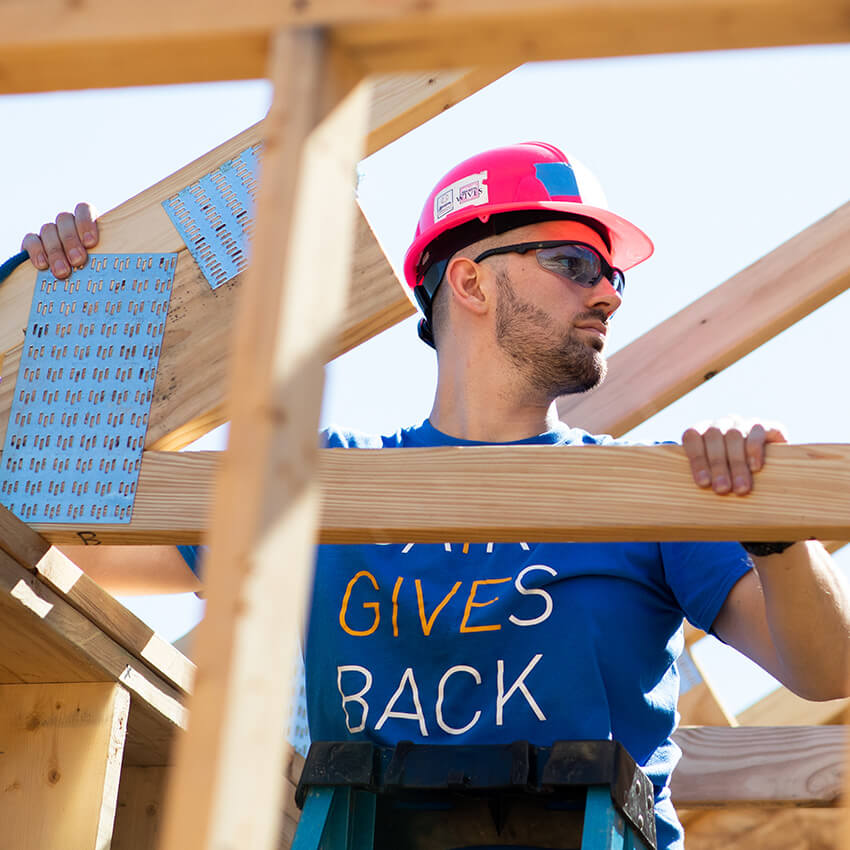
519	492
723	326
127	43
190	386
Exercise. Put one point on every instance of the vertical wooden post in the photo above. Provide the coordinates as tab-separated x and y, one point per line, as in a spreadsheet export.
227	779
60	759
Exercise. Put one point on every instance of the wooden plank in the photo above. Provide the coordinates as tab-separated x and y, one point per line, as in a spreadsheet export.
188	398
783	765
781	707
44	639
472	33
32	551
106	612
518	492
61	750
401	102
227	779
750	827
194	355
732	320
129	44
138	820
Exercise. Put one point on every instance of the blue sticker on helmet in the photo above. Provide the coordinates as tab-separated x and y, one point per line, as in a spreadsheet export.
558	178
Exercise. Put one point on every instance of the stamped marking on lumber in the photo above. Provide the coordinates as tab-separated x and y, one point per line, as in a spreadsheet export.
82	400
215	216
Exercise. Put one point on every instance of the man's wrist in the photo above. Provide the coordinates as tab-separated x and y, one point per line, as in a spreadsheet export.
762	549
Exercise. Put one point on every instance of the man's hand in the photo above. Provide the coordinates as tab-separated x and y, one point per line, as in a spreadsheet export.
62	245
725	454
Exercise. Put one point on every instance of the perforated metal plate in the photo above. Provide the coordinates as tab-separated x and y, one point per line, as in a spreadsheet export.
83	395
215	216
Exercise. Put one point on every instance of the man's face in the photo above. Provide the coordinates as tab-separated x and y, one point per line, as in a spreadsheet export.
551	329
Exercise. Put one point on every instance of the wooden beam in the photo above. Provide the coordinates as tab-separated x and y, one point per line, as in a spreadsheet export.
61	759
43	639
188	398
783	708
401	102
727	323
447	35
141	796
519	493
758	827
189	391
126	43
227	779
785	765
33	552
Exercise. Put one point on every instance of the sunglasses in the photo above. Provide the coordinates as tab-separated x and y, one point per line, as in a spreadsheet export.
577	262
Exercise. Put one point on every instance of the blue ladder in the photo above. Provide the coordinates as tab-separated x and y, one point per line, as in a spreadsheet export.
342	785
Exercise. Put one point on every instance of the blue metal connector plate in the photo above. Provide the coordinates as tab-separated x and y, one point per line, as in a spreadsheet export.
215	216
85	384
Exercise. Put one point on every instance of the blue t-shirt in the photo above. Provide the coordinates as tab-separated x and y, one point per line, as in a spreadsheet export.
482	643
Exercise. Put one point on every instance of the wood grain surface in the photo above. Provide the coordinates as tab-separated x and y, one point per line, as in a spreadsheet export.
126	43
786	765
61	759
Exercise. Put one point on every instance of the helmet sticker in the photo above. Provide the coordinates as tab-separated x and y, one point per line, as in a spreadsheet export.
558	178
466	192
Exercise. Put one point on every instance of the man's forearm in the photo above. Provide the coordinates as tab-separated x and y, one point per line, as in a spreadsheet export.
807	601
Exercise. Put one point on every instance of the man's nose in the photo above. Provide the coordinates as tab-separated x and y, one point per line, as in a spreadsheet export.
603	296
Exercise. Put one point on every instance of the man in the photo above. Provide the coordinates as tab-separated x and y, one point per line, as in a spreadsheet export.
518	274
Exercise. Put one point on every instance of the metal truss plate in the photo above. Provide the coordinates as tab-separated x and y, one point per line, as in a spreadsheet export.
215	216
83	395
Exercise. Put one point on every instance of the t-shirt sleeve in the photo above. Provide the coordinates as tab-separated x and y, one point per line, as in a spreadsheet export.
701	575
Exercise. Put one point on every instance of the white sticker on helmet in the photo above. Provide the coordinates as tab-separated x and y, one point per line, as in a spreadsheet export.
466	192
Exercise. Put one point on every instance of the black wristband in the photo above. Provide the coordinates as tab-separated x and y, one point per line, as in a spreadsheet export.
766	548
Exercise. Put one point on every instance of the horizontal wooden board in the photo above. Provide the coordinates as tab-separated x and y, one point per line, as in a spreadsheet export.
785	765
126	43
760	827
509	493
718	329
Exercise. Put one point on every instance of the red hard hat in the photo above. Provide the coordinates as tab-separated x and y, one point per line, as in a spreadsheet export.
527	176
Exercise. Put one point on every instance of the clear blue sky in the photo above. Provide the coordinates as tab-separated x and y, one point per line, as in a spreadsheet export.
719	157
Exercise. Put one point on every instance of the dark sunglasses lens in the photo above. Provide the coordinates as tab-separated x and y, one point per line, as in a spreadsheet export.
618	281
574	262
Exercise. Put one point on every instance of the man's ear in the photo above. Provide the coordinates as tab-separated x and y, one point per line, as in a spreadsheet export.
465	280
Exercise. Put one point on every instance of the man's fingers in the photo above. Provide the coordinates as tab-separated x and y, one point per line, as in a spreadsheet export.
33	246
71	243
715	451
755	447
738	462
55	253
62	245
86	217
694	447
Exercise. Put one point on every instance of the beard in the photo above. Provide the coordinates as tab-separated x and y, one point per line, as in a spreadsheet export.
553	362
